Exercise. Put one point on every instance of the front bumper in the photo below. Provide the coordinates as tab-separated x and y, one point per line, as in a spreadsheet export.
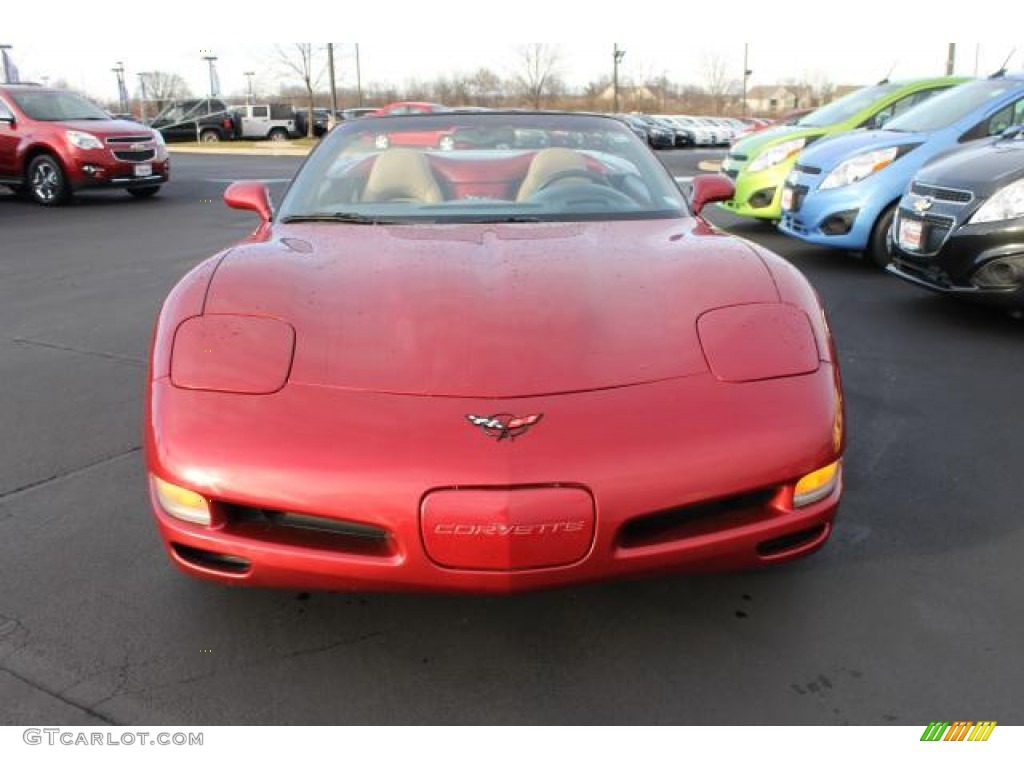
838	218
758	195
697	498
90	169
953	256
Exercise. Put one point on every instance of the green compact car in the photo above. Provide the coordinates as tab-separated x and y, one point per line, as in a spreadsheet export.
759	164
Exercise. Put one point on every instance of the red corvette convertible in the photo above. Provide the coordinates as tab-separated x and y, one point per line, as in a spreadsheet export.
491	369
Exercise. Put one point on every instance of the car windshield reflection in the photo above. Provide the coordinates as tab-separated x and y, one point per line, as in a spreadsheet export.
482	167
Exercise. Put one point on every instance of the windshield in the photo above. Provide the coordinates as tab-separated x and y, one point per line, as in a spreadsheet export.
482	167
843	109
57	105
946	108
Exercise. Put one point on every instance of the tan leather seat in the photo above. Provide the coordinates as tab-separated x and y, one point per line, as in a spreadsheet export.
546	164
402	175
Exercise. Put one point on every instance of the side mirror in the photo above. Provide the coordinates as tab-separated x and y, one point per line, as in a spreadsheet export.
250	196
875	122
1013	132
710	188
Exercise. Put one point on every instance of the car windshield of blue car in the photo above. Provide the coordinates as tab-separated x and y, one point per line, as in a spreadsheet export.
482	167
948	107
52	106
843	109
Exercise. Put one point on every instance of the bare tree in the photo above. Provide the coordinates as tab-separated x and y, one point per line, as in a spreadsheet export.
485	87
538	73
717	83
820	85
453	90
159	88
299	60
811	89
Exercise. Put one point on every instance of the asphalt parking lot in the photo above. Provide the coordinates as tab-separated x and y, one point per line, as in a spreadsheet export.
912	613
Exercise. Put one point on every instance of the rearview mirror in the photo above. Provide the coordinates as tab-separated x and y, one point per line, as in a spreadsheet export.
710	188
250	196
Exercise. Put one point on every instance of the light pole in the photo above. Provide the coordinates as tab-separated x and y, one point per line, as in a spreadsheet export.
617	55
250	95
359	80
746	73
122	93
142	92
213	75
3	55
951	59
334	91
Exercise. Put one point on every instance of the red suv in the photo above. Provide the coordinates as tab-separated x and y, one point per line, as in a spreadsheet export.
54	143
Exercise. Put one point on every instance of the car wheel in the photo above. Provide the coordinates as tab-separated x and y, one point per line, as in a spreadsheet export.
143	192
209	136
278	134
47	183
879	247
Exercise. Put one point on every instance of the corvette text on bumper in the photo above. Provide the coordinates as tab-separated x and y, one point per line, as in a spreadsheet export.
497	529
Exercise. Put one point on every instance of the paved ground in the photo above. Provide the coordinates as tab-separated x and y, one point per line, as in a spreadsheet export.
912	613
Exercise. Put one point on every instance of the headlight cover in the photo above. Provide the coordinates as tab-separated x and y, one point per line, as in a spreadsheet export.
242	354
861	166
777	154
84	140
1007	203
755	342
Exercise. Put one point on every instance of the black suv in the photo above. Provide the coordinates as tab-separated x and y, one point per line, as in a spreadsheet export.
197	120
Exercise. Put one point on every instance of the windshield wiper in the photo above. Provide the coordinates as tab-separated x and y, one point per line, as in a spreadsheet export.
343	217
497	219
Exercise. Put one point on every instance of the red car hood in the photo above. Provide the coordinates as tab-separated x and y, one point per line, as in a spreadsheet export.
104	128
491	310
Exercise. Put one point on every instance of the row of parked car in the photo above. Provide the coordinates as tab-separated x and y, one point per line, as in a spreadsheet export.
212	120
926	178
668	131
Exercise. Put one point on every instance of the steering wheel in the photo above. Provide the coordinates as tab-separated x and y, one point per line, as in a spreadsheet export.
573	173
601	193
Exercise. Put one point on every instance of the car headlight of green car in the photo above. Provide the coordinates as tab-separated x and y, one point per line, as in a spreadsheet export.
777	154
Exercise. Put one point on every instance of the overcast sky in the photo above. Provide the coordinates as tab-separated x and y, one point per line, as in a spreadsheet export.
672	40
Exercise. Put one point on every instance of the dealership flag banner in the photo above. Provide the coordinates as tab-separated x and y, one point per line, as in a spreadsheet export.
10	71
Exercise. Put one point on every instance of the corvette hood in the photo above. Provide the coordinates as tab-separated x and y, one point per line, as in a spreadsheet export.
481	310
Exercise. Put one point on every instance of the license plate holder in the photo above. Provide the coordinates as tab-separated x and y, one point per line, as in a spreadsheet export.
787	198
910	234
144	169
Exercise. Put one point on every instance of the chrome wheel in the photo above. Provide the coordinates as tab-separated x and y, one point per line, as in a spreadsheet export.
46	181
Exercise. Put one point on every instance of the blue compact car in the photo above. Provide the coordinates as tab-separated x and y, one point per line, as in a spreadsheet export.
843	191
